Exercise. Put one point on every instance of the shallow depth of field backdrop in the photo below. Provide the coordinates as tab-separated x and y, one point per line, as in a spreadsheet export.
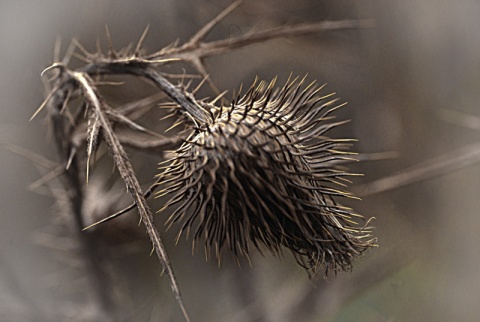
412	84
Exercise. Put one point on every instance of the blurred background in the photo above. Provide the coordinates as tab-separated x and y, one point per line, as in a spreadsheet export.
412	84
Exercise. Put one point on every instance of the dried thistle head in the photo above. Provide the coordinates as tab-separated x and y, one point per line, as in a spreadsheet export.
263	172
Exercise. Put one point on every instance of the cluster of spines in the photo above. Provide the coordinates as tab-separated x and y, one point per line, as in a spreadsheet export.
262	171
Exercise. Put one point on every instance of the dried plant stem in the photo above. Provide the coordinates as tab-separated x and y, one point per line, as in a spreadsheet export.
100	120
432	168
195	49
226	45
73	184
71	133
128	175
138	68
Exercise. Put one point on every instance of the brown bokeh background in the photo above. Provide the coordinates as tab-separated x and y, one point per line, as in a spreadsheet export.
412	84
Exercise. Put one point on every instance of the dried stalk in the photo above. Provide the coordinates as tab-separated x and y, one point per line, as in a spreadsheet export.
74	186
71	133
432	168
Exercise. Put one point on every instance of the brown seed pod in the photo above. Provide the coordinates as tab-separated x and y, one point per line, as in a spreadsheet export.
262	172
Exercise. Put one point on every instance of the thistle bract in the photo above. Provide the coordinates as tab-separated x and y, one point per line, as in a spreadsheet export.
262	172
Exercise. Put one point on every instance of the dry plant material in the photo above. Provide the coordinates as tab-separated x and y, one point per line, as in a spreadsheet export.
263	171
259	171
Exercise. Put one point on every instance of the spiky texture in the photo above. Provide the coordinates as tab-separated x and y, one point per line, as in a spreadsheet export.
263	172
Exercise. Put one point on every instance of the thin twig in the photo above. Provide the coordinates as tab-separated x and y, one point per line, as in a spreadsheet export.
432	168
218	47
183	99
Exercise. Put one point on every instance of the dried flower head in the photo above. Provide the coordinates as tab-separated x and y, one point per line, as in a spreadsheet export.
262	172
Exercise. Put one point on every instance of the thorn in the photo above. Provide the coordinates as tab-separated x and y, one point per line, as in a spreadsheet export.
73	151
140	41
198	65
65	105
60	66
69	53
174	126
186	87
99	46
111	51
166	60
115	215
167	116
220	96
82	49
124	51
205	78
80	57
88	171
47	99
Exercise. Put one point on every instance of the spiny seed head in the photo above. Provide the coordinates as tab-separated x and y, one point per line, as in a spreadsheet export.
262	172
